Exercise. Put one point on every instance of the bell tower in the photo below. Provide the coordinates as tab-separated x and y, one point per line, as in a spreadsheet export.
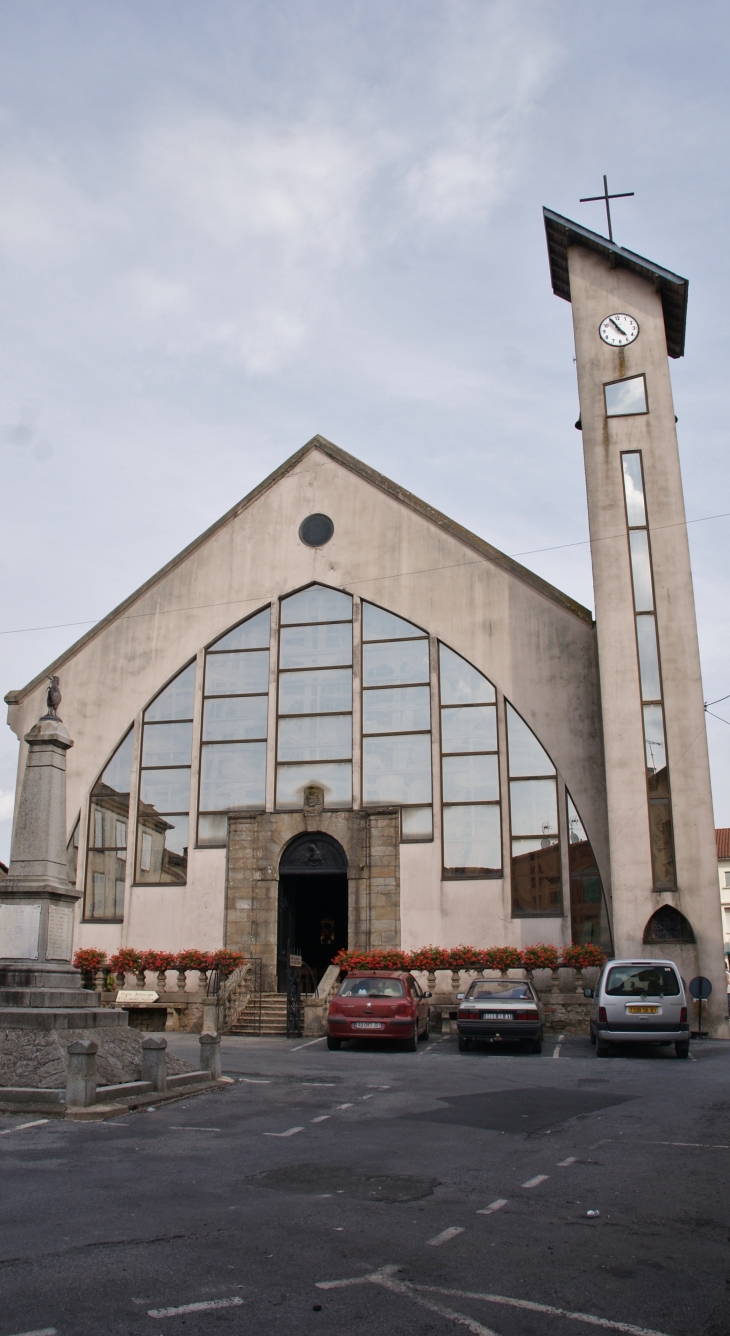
628	318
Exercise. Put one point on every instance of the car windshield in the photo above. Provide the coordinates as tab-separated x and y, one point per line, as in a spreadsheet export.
372	988
484	990
642	981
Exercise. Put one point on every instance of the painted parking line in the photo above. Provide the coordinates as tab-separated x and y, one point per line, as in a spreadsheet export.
533	1182
572	1159
556	1050
493	1206
38	1122
203	1307
290	1133
251	1080
386	1278
308	1044
322	1118
342	1106
178	1127
41	1331
444	1236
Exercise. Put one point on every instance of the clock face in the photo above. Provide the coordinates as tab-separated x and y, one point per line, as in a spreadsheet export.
618	330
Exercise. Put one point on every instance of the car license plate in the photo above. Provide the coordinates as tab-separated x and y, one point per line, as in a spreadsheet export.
498	1015
367	1025
643	1011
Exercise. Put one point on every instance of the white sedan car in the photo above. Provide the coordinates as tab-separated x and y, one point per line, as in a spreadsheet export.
500	1011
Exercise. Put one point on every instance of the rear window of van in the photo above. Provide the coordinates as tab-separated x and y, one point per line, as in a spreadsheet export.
642	981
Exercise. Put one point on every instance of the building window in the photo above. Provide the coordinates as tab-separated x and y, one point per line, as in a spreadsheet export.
164	787
657	770
472	836
727	880
588	913
536	867
626	398
314	736
235	726
107	839
396	719
72	853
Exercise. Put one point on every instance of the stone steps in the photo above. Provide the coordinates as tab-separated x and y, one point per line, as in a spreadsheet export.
273	1016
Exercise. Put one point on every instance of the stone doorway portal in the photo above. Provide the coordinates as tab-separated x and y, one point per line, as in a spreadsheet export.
312	909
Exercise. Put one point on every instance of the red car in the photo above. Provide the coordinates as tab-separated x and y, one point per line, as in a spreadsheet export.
379	1004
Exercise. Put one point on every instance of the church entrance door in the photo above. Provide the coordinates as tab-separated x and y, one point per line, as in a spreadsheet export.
312	903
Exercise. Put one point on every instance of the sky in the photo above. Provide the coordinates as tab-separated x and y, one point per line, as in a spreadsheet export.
228	226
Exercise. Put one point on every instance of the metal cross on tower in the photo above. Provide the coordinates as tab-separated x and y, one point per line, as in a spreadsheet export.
588	199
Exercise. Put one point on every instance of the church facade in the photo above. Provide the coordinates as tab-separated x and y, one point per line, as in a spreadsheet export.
340	719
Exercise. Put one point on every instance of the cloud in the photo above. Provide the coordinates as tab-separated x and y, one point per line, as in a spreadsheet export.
7	804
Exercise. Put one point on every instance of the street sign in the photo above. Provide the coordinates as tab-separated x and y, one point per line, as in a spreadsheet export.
700	986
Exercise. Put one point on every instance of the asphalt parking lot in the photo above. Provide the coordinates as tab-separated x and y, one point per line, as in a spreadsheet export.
379	1191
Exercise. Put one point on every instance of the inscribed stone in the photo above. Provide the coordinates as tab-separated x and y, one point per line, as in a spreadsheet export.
60	932
19	929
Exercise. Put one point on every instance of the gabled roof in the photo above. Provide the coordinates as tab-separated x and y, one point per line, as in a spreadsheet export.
722	837
369	475
562	233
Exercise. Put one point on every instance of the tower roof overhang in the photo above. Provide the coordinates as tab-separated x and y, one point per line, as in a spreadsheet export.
562	233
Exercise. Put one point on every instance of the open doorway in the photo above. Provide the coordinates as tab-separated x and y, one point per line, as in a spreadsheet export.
312	904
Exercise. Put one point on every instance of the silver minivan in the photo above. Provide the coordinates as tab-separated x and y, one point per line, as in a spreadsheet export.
639	1001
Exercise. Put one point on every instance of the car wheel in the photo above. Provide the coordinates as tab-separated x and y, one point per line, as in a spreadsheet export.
682	1050
593	1035
333	1043
411	1044
464	1044
536	1046
603	1050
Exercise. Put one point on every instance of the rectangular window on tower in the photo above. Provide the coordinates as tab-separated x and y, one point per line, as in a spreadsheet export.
626	398
650	679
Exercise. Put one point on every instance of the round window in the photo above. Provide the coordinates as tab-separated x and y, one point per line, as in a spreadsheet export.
316	530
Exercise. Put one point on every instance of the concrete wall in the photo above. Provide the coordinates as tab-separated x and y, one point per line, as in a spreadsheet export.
538	648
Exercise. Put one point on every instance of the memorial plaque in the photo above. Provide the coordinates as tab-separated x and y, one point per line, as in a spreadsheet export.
60	932
142	996
19	931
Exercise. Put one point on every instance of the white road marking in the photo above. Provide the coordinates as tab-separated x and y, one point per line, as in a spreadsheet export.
42	1331
556	1050
572	1159
177	1127
203	1307
444	1236
251	1080
308	1044
367	1097
290	1133
386	1278
38	1122
322	1118
533	1182
493	1206
342	1106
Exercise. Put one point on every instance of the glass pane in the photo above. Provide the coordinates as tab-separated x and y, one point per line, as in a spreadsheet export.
324	737
634	489
316	604
232	774
417	823
118	773
176	701
588	915
396	710
536	879
213	830
234	718
662	843
397	769
472	838
472	728
641	570
656	751
105	883
106	829
231	674
470	778
534	808
576	833
167	744
460	683
526	755
162	846
377	624
72	855
334	777
316	646
398	661
253	634
166	790
625	397
323	691
648	658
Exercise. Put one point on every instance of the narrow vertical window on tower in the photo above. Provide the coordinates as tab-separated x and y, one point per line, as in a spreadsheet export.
234	729
314	741
657	770
106	859
469	770
533	797
164	784
396	719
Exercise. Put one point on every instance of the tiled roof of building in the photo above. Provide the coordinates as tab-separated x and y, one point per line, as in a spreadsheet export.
723	842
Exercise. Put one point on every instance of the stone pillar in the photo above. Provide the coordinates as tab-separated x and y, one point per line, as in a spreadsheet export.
210	1055
154	1062
81	1074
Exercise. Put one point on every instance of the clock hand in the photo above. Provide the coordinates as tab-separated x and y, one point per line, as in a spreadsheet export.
618	326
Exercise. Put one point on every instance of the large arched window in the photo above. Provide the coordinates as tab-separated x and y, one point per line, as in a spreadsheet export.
164	785
536	870
469	769
588	914
108	837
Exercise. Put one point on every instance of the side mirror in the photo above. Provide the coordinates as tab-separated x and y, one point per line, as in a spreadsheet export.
588	992
428	994
459	997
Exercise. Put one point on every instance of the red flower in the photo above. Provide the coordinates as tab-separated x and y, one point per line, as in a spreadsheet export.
540	957
89	959
192	960
225	961
126	961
